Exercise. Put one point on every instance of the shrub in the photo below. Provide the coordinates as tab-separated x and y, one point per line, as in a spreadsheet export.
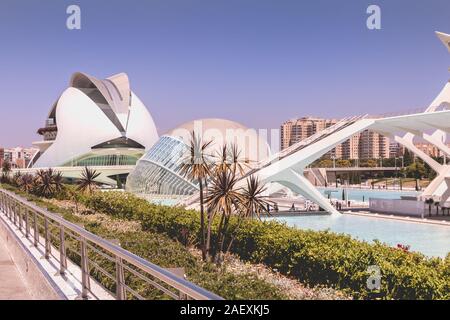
315	258
154	247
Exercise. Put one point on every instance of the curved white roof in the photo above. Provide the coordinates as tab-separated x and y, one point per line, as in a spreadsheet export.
93	112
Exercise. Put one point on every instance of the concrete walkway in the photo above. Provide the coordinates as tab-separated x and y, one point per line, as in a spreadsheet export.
12	285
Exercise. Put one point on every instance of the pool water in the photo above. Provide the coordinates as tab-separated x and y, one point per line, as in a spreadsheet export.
431	240
366	194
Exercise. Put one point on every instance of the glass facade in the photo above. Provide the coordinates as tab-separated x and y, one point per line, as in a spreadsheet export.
103	160
158	171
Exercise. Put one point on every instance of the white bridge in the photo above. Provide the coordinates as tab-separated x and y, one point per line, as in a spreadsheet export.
287	167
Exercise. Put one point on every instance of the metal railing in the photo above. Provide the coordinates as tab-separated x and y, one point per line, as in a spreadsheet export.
397	113
124	271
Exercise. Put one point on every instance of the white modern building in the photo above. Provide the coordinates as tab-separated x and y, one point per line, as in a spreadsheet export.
95	123
102	124
287	167
158	173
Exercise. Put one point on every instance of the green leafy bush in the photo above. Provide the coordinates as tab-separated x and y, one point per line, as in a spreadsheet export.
154	247
315	258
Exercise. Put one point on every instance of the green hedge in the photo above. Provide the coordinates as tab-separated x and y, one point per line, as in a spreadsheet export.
161	250
315	258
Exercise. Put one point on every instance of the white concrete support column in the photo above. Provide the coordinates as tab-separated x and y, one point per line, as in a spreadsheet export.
437	139
446	195
407	142
298	183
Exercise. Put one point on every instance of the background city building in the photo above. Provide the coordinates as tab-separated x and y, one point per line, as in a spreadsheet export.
18	157
364	145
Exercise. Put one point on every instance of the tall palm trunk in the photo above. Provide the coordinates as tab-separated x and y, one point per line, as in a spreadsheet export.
233	237
202	221
222	235
208	232
219	236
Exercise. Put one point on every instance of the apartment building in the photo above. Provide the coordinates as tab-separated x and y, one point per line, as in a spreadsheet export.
365	145
18	157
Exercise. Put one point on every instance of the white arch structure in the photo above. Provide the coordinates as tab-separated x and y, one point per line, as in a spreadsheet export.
97	123
287	166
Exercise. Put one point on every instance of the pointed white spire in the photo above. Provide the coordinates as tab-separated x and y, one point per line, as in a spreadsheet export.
445	38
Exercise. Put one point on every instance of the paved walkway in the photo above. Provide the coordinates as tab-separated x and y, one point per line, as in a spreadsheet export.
12	285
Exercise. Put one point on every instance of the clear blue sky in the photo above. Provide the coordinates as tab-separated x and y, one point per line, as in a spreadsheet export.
259	62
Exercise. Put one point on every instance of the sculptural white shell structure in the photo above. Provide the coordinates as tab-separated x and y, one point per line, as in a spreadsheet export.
158	173
287	167
96	123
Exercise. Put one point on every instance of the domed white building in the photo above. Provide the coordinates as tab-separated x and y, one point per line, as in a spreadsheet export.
96	123
157	174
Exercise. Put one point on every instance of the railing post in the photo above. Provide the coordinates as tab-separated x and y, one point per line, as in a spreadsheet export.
84	270
15	213
36	229
9	209
19	212
120	280
27	223
47	239
62	251
5	207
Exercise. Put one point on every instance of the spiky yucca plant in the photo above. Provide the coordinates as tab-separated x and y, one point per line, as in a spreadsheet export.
196	166
87	182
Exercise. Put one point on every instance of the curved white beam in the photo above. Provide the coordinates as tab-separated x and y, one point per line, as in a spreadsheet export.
298	183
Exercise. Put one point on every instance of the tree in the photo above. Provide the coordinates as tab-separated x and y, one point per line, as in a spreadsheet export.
416	170
17	177
6	170
370	163
343	163
223	199
238	164
6	167
254	203
87	182
325	163
27	183
408	158
254	200
196	166
48	183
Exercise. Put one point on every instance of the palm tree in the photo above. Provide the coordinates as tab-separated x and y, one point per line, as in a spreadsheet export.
27	183
44	183
58	181
254	203
238	164
254	200
222	163
6	169
223	198
196	166
87	181
16	179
